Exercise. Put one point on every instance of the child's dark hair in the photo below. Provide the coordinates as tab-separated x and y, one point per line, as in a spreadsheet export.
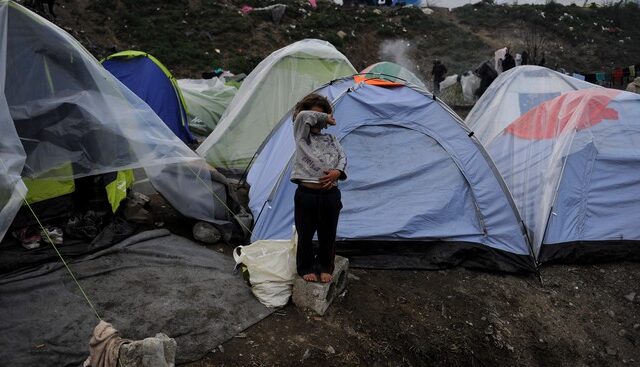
311	101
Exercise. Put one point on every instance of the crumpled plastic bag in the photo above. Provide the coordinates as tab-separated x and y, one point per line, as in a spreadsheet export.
271	268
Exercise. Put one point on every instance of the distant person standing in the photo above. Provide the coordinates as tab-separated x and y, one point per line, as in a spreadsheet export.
438	72
487	75
508	62
38	5
543	60
525	58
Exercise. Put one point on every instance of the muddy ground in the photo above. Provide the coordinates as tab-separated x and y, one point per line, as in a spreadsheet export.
578	316
582	316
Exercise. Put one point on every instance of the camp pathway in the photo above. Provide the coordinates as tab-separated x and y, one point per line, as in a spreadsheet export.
583	316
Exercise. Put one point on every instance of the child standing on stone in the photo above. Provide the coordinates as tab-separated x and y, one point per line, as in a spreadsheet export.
319	163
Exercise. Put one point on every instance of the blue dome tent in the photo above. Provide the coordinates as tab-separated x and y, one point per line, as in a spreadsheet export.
418	181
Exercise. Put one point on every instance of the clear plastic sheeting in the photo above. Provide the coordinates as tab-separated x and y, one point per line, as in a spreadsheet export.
514	93
67	110
206	100
272	89
191	186
572	165
12	156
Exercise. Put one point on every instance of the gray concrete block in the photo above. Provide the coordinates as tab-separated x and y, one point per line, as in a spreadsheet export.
319	296
159	351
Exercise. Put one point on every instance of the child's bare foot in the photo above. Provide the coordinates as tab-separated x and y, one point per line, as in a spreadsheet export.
310	277
325	277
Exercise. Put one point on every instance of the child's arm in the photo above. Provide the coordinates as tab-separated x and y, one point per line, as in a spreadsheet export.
339	172
342	163
305	121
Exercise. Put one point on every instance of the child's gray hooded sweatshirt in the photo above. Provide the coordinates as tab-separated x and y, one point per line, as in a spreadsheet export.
315	153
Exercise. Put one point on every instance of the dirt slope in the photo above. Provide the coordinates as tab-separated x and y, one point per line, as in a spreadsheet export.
191	36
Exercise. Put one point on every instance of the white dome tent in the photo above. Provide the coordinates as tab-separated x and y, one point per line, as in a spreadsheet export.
272	88
514	93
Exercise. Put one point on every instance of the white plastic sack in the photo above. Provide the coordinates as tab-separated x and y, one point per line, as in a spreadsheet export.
470	83
272	268
449	81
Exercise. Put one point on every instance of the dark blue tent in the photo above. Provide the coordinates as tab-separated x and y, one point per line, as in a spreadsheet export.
145	76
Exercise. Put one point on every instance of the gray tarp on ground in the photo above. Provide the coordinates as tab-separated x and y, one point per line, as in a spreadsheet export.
152	282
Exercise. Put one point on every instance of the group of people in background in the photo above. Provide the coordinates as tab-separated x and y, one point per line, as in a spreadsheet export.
617	77
505	60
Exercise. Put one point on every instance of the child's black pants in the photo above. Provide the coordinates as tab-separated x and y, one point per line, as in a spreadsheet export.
316	211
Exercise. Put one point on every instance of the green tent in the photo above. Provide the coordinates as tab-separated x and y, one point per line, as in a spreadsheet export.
393	72
206	101
266	95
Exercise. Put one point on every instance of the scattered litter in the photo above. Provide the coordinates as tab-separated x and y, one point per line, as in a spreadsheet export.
306	355
630	297
611	313
331	350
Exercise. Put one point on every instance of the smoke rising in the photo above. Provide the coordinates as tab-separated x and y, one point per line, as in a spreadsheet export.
399	52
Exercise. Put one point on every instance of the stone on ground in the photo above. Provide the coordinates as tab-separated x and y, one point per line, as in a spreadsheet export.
206	232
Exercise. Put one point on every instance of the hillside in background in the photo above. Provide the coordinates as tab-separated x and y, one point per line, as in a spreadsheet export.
192	36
